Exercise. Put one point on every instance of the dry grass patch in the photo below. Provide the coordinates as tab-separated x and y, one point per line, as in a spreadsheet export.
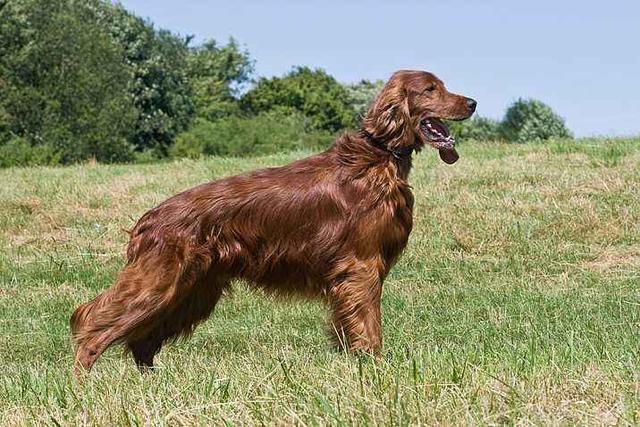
614	258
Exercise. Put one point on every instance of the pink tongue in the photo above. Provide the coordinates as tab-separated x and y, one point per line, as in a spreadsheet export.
449	155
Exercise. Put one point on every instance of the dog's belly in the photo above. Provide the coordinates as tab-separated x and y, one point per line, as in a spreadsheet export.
288	276
285	261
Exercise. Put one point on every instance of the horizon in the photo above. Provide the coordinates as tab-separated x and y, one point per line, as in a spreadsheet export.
496	52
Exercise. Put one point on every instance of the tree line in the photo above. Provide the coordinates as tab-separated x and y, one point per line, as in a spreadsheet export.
87	79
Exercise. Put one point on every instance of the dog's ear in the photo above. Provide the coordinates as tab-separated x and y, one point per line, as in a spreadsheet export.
389	117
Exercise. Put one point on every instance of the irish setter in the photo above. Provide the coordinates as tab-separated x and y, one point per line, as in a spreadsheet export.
328	226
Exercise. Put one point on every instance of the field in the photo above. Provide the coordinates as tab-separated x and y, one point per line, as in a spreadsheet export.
517	301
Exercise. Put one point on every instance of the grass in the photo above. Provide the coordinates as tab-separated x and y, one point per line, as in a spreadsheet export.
516	301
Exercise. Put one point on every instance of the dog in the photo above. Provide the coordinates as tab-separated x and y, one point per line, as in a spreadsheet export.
330	226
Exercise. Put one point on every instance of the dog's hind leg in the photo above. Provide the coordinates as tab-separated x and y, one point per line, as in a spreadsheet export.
181	320
145	291
144	349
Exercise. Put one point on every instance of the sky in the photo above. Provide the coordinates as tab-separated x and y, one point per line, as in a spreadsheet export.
580	57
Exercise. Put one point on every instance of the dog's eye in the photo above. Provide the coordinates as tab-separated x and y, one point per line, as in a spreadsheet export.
430	88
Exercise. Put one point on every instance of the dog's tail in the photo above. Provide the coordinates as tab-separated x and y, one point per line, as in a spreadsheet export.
82	315
79	317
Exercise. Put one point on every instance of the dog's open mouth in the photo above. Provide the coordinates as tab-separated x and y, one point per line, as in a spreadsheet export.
437	135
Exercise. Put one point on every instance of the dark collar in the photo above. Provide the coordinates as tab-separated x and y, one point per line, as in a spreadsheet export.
398	153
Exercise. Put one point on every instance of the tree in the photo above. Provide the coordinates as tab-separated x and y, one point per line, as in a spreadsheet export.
63	82
159	83
362	95
216	74
531	120
313	93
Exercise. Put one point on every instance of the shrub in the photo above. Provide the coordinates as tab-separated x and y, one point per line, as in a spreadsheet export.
150	155
313	93
18	152
531	120
475	129
362	95
268	133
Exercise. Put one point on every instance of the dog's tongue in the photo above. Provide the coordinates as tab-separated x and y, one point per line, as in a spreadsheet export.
449	155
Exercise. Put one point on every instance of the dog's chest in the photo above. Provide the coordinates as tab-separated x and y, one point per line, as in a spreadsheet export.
395	224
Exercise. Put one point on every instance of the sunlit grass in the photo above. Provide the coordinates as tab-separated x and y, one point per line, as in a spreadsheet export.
518	299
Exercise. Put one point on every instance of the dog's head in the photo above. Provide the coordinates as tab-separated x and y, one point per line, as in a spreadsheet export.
409	111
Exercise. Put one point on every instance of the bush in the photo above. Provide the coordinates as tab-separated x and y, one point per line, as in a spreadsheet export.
531	120
362	95
268	133
475	129
18	152
313	93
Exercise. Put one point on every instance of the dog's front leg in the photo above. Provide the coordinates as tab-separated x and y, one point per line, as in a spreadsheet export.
356	307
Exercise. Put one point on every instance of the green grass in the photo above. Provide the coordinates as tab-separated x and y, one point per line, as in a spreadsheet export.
516	301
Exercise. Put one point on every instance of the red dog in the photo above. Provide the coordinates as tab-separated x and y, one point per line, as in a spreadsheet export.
331	226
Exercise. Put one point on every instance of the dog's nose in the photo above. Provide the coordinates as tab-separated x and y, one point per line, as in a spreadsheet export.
471	103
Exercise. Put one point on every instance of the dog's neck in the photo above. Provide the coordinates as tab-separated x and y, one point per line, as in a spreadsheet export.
399	153
401	156
358	152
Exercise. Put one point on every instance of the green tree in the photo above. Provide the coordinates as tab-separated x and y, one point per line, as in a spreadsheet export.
313	93
217	73
362	95
63	82
158	84
531	120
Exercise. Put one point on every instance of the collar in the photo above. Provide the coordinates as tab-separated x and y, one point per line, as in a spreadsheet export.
398	153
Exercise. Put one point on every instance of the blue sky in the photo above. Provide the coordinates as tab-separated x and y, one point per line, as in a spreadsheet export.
580	57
